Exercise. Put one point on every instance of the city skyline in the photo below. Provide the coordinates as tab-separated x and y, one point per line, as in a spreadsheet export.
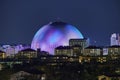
97	20
59	39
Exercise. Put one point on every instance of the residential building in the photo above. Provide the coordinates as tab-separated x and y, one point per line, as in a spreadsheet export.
2	54
81	42
92	51
27	53
64	50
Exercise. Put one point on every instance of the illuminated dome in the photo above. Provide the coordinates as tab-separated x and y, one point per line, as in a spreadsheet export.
54	34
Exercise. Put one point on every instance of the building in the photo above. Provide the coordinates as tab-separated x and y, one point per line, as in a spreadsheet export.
81	42
92	51
115	39
11	50
105	50
77	50
27	53
64	50
8	49
114	52
2	54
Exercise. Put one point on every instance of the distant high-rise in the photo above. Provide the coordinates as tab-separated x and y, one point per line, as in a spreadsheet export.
115	39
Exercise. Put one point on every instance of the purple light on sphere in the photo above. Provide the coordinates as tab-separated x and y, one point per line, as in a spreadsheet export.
54	34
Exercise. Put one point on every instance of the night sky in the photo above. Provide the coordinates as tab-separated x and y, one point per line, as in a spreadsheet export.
21	19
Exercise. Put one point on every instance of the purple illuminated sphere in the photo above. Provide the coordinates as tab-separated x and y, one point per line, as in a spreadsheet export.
53	35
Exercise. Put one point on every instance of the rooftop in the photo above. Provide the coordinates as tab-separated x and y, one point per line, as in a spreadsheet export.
93	47
81	39
28	49
63	47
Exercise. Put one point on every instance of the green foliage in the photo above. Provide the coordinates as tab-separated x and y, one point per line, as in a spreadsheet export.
5	74
66	71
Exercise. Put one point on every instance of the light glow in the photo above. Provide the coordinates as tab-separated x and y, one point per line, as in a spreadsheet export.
53	35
